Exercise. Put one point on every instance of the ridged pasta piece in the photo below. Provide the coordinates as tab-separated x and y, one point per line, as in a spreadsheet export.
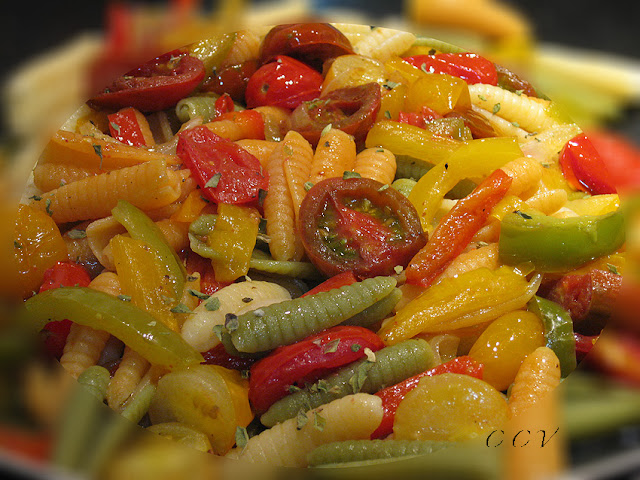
484	256
444	346
279	211
503	127
392	365
130	371
547	201
377	312
287	322
354	417
545	147
198	329
246	46
383	43
276	121
85	344
538	375
376	163
203	106
99	233
79	250
525	173
362	450
228	129
527	113
354	32
297	167
261	149
335	154
148	185
49	176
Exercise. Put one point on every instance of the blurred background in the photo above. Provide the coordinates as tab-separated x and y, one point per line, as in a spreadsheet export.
584	55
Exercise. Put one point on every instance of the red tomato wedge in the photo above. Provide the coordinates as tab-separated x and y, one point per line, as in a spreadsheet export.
130	127
156	85
470	67
224	171
583	167
393	395
337	281
456	229
285	83
307	361
621	157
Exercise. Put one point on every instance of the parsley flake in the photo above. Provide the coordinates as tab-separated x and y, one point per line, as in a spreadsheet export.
181	308
212	304
301	419
242	437
231	322
213	181
332	346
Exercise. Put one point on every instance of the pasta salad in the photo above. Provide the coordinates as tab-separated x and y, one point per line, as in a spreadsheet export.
312	244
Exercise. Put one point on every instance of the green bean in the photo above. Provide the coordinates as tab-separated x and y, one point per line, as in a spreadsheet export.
392	365
359	450
376	312
289	321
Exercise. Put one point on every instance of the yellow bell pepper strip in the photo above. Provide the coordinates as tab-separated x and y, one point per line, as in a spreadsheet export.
456	229
136	328
440	92
416	142
141	227
392	101
477	158
471	298
559	244
558	331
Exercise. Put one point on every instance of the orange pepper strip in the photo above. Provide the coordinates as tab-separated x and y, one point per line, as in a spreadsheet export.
456	229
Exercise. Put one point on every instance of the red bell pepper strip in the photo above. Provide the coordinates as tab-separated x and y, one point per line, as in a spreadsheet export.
208	283
393	395
62	274
470	67
126	127
419	119
584	344
583	167
224	104
337	281
456	229
306	361
224	171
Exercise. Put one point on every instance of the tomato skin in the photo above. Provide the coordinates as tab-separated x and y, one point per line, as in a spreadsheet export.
351	109
470	67
583	167
378	249
232	80
337	281
206	154
219	356
621	156
156	85
284	83
418	119
306	361
312	43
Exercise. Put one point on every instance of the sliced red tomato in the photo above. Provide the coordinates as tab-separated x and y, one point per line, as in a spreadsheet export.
352	110
358	225
156	85
130	127
285	83
224	104
208	283
232	80
224	171
470	67
306	361
418	119
337	281
583	167
218	356
312	43
621	157
393	395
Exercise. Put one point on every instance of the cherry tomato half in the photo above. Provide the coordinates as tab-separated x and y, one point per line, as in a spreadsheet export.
156	85
312	43
357	224
583	167
352	110
284	83
232	80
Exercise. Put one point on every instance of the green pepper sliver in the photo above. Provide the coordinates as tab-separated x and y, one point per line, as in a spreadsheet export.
135	327
141	227
558	331
559	244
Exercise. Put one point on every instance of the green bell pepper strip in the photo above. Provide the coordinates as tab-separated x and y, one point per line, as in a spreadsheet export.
141	227
135	327
558	331
559	244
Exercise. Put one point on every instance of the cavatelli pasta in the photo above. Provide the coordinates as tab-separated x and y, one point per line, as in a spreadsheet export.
279	210
95	380
335	154
360	450
261	149
525	173
391	365
287	322
383	43
377	312
297	166
49	176
79	250
485	256
148	185
376	163
246	46
276	122
130	371
527	113
547	201
353	417
199	328
203	106
502	126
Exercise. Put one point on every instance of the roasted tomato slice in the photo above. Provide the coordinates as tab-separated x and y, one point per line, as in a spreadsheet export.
352	110
232	80
156	85
357	224
311	43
